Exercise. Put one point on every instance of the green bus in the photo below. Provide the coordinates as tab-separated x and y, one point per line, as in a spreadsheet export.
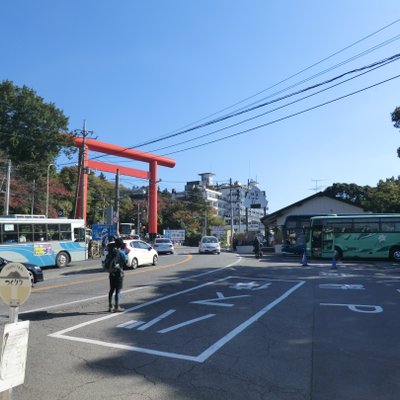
355	236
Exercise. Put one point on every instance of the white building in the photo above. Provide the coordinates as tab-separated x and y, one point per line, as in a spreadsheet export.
207	188
231	201
245	216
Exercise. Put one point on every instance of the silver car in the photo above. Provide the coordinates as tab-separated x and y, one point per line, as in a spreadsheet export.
163	246
209	244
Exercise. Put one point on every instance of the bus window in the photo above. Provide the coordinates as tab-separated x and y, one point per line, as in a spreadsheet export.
341	226
79	234
366	226
53	232
65	232
10	234
25	233
390	225
39	233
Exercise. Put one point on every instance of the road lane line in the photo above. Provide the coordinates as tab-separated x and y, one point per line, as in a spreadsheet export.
102	278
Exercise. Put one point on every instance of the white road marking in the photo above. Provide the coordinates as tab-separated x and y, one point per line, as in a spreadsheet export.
155	320
181	325
199	358
220	296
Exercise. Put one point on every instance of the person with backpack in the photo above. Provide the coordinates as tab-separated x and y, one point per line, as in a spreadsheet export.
114	264
257	248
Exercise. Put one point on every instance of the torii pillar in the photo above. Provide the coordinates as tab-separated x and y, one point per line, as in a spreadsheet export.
152	159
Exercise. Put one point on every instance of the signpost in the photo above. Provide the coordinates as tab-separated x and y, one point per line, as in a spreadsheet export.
176	235
15	289
101	231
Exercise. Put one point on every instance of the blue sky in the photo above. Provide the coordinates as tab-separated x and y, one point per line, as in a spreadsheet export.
140	70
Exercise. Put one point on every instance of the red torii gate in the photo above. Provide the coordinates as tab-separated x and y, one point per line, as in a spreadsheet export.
152	159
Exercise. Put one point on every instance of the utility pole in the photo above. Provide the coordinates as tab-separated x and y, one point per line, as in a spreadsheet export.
82	178
231	204
33	196
116	211
7	194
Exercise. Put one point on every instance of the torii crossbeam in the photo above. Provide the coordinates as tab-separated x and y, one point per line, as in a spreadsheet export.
153	160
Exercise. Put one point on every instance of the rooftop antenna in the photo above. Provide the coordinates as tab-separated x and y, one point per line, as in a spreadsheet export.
317	187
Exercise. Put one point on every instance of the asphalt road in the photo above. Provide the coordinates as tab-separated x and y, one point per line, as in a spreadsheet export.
205	327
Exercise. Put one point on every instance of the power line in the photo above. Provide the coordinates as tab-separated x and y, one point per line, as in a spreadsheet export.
290	77
269	111
253	106
286	117
239	112
282	81
369	67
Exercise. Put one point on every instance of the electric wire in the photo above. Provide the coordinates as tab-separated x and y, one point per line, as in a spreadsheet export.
294	75
287	116
240	111
371	67
256	105
273	110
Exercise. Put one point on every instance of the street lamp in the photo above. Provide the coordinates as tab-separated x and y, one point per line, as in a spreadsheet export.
47	189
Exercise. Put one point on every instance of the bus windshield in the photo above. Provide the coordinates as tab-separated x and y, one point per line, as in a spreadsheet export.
295	233
42	241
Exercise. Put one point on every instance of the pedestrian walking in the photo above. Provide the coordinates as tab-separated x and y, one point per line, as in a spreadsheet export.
257	248
116	274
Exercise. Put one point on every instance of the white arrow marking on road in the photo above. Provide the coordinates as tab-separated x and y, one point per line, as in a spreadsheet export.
220	296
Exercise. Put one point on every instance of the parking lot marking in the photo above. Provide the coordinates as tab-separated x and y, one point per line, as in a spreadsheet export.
155	320
249	286
203	354
343	286
130	324
220	296
361	308
181	325
5	317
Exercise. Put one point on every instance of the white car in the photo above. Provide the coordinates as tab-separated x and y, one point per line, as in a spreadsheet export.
209	244
163	245
138	253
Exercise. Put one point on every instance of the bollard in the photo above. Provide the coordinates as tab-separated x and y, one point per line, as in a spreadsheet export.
304	259
334	260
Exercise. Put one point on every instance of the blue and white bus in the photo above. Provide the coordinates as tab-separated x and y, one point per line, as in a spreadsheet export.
42	241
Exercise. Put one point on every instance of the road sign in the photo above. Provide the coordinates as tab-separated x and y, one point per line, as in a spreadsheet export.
99	231
176	235
15	284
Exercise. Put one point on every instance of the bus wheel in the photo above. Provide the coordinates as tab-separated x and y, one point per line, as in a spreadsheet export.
61	259
338	254
395	254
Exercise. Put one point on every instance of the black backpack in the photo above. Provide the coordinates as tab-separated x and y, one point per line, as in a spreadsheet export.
111	260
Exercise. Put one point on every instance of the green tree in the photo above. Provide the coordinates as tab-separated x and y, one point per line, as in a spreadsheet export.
396	122
350	192
385	197
29	130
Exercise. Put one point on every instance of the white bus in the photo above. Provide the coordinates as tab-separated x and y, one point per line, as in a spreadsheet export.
42	241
